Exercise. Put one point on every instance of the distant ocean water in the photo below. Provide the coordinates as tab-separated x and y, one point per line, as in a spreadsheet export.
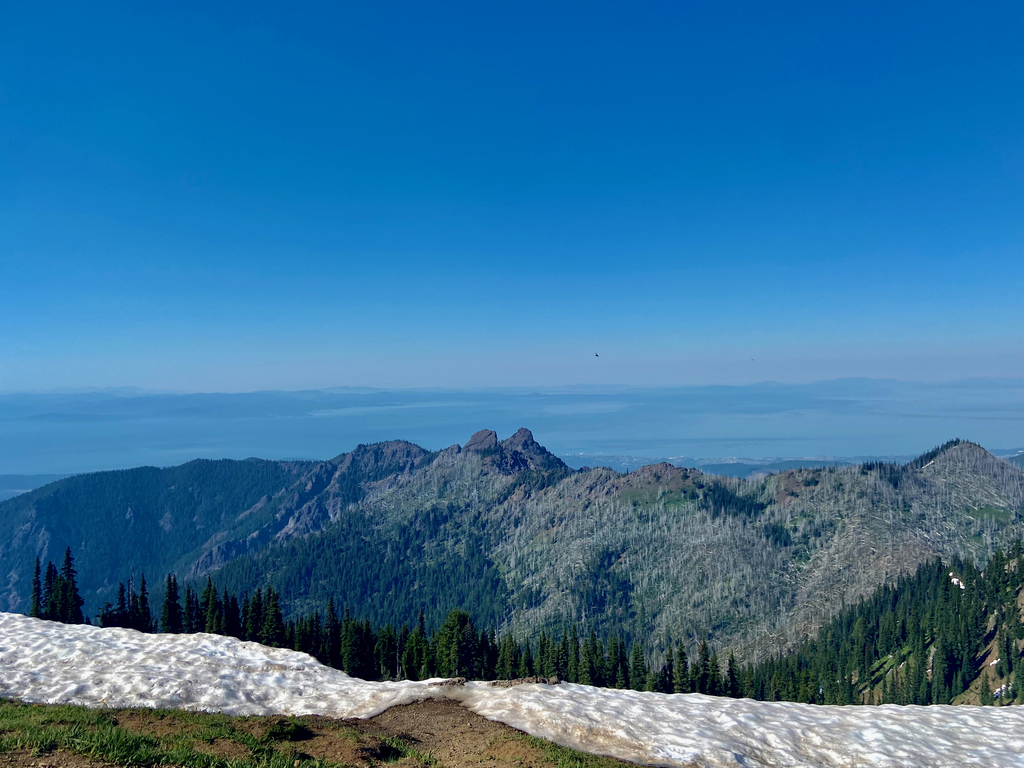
69	433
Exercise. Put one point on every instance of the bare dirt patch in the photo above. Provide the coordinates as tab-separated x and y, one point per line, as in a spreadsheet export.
456	737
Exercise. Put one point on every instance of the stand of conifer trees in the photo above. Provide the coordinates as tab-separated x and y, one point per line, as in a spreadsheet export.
917	641
55	596
131	609
457	649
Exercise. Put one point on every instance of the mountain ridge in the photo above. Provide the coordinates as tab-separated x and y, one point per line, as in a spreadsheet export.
505	528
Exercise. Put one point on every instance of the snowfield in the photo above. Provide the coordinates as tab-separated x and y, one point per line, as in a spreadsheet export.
46	662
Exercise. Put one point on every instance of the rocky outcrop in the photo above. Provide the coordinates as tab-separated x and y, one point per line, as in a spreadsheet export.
484	440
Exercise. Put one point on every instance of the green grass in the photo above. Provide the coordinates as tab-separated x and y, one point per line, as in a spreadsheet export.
646	497
95	734
999	514
41	729
394	749
569	758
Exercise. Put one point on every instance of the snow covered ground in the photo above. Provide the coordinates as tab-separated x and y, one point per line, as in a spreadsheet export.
47	662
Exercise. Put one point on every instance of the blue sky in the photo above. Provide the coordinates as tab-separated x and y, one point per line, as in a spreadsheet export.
485	194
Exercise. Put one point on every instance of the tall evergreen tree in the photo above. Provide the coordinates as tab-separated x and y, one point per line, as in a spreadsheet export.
120	614
985	693
36	608
145	618
681	672
701	671
170	613
272	629
70	607
732	680
573	666
51	594
637	667
332	639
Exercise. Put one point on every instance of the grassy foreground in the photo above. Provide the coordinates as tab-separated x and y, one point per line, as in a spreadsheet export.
84	737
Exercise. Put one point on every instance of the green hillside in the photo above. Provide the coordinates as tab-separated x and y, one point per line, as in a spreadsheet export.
947	634
136	519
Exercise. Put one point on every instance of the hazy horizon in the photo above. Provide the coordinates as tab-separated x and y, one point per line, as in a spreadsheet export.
94	430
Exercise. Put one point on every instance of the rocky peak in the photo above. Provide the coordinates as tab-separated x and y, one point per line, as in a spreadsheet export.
515	454
522	440
395	456
483	440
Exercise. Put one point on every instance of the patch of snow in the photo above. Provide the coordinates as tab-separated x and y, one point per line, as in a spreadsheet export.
42	661
688	729
46	662
956	581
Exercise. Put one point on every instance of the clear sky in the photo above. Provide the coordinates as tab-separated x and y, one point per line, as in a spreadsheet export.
245	196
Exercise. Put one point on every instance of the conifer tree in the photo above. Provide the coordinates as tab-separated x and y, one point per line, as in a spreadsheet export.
986	690
272	629
120	612
732	680
526	666
51	594
637	667
170	613
70	606
589	661
573	666
254	621
331	640
145	619
212	616
701	671
36	609
714	676
585	669
209	608
187	625
681	672
651	681
232	619
562	658
544	666
133	606
668	671
508	658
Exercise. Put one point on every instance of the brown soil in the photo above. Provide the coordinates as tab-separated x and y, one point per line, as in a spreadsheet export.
456	737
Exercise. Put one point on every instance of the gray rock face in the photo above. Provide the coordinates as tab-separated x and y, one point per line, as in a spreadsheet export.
483	440
522	440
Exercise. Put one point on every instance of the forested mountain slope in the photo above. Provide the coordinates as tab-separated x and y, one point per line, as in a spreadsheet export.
143	519
508	532
660	550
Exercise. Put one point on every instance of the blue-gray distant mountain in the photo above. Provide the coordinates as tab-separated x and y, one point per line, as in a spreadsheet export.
90	431
507	531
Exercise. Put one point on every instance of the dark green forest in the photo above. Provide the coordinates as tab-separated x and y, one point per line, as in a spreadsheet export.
921	640
437	562
143	518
